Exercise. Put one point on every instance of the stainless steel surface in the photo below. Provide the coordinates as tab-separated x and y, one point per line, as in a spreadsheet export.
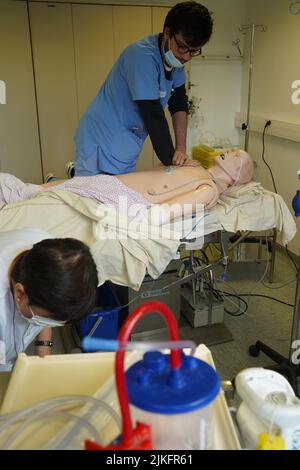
203	312
155	290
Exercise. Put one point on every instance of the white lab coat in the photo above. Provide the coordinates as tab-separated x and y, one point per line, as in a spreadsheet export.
15	333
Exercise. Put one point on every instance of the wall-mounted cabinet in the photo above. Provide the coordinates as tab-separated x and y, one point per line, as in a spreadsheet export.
55	73
54	58
19	140
130	24
94	49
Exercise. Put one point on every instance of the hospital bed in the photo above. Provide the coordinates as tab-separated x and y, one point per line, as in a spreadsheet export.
124	257
125	250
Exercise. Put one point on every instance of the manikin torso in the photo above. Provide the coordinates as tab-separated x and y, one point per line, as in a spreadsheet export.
177	184
165	184
189	184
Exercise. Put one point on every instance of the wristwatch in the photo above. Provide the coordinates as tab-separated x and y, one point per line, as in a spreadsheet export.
46	344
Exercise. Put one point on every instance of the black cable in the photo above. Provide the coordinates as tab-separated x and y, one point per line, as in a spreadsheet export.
252	295
268	123
197	258
267	297
228	294
219	294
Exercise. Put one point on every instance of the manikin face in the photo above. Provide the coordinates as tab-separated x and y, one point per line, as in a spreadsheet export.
237	164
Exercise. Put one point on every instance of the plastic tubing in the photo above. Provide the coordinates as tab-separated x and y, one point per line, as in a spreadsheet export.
92	344
52	414
124	335
48	405
72	433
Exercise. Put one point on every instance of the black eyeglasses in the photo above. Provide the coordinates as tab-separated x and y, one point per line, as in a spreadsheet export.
184	49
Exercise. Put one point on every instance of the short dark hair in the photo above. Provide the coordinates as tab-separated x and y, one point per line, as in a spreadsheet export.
192	20
59	275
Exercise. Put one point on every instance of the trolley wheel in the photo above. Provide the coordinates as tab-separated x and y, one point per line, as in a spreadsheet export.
254	350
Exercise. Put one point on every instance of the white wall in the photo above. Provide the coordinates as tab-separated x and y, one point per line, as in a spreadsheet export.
228	15
276	66
216	81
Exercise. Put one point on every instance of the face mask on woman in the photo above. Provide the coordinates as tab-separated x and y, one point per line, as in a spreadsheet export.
41	321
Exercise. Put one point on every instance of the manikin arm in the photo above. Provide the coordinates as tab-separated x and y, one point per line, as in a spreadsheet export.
182	206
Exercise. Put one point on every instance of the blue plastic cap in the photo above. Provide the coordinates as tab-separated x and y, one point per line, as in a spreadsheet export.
154	386
155	360
296	204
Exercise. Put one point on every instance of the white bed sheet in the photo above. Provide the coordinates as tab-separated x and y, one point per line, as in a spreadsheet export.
125	261
242	208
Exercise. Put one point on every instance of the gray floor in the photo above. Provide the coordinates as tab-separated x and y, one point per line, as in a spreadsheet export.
265	320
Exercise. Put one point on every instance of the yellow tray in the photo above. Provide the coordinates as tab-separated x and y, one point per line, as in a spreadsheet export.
35	379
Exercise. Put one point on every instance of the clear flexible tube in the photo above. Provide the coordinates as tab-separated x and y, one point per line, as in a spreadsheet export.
69	438
52	414
92	344
48	405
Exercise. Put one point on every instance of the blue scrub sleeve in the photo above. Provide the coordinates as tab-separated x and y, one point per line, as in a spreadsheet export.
178	77
142	75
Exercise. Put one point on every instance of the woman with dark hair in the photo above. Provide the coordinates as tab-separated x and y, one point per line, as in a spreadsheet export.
44	283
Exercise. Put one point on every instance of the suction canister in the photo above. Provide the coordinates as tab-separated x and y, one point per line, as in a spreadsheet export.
176	403
169	396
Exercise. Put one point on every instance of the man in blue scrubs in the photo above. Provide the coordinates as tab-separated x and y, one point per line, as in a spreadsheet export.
148	75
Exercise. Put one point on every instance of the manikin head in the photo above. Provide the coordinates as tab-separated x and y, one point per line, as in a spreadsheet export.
235	165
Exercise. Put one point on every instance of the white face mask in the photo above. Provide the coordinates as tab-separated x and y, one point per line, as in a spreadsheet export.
171	59
42	321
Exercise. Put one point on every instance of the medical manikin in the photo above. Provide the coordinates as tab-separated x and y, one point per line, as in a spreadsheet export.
184	186
192	185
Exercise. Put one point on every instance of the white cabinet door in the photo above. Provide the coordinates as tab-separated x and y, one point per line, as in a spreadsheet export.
19	142
94	49
131	24
54	64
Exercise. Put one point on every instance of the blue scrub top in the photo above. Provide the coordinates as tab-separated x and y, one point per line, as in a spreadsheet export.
111	133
